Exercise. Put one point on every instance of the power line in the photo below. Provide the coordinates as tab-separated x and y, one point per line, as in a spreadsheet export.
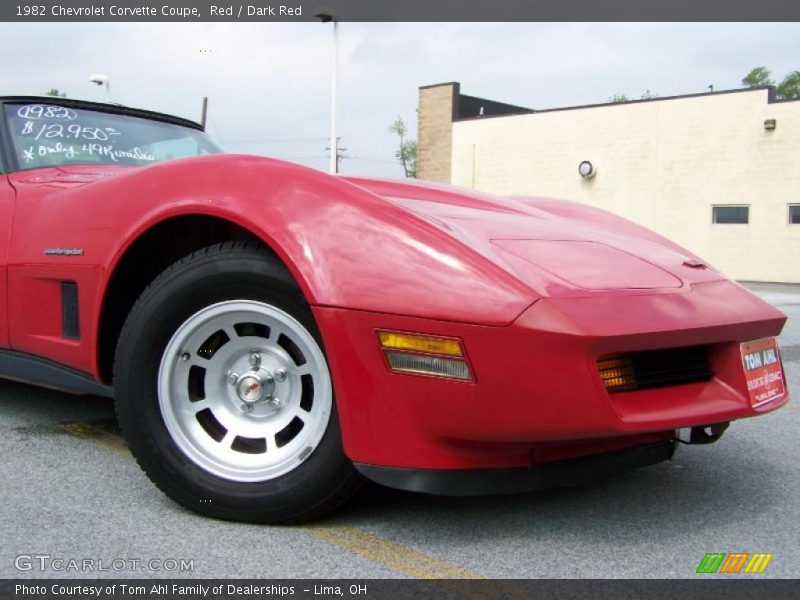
215	128
293	141
373	160
339	153
301	157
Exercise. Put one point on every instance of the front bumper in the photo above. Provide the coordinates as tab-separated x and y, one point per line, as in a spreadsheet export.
537	396
513	480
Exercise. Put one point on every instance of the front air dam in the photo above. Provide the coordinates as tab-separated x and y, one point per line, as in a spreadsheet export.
484	482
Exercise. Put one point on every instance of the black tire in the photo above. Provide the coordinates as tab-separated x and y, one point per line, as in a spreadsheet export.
231	271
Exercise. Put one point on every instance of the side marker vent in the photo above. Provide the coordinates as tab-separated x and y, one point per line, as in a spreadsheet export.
70	325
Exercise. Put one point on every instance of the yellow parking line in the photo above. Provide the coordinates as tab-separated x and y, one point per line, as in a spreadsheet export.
98	436
396	556
356	541
413	563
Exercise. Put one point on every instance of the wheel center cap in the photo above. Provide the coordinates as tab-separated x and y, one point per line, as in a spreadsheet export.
250	389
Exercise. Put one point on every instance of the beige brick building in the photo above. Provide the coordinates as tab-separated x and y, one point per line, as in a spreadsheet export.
718	173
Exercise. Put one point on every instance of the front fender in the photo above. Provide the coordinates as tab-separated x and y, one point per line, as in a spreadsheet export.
345	246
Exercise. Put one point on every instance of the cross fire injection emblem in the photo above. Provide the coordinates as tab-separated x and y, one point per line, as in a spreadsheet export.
64	251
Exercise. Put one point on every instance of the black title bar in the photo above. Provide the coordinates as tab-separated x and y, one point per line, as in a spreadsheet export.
398	10
712	588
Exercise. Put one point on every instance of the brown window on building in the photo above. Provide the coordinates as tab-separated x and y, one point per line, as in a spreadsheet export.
794	214
730	214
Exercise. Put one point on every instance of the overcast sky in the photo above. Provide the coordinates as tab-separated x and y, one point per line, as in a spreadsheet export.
269	83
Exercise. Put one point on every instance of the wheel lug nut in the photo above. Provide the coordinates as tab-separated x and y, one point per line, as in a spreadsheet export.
233	378
185	357
280	374
274	401
247	407
255	359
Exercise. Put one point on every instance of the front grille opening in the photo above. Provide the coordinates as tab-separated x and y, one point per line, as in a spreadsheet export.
654	368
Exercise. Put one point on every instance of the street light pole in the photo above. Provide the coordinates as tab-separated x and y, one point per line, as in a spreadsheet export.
334	168
328	15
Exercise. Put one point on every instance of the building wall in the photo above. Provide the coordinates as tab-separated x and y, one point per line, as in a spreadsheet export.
435	131
661	163
440	105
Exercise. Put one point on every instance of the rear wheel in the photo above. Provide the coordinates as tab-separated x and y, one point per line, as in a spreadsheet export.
224	394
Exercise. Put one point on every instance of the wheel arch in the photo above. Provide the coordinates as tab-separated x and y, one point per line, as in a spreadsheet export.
144	258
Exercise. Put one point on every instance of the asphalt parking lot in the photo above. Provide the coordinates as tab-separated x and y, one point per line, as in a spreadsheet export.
70	490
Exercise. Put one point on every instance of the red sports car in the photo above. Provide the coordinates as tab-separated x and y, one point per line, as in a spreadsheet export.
272	335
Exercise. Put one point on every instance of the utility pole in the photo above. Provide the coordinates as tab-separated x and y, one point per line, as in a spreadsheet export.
337	157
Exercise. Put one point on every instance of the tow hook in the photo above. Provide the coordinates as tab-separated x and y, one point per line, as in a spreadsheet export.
704	434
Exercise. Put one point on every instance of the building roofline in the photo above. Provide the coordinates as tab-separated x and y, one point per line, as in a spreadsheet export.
770	100
516	107
444	83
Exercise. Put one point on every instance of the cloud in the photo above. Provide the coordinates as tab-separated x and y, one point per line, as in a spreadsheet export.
269	83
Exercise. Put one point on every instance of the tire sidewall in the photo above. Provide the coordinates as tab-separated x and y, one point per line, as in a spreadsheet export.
167	304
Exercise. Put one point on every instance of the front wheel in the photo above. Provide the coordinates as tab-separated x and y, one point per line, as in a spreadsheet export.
224	394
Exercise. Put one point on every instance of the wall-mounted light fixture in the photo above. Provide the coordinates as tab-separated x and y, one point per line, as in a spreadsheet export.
770	124
587	170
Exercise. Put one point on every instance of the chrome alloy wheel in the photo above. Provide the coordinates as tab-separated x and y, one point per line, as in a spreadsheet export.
244	390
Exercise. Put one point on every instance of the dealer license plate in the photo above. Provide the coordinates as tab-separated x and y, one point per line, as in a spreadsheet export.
763	371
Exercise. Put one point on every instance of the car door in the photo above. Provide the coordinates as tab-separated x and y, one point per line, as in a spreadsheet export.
7	199
6	212
42	254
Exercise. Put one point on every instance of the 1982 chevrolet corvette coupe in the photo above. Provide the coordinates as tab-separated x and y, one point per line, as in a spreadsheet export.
272	335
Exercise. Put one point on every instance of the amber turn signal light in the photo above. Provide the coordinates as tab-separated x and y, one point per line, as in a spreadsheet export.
425	355
617	373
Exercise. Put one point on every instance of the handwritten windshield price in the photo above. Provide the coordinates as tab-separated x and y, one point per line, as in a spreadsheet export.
74	131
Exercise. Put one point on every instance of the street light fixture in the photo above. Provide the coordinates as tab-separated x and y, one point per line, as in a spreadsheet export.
329	15
103	80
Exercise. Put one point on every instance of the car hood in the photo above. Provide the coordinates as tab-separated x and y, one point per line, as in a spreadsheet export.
552	245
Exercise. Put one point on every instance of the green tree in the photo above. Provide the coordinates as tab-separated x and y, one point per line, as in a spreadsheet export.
787	89
56	92
790	86
758	77
407	150
617	98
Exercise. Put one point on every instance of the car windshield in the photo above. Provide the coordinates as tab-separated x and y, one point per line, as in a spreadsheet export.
49	135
